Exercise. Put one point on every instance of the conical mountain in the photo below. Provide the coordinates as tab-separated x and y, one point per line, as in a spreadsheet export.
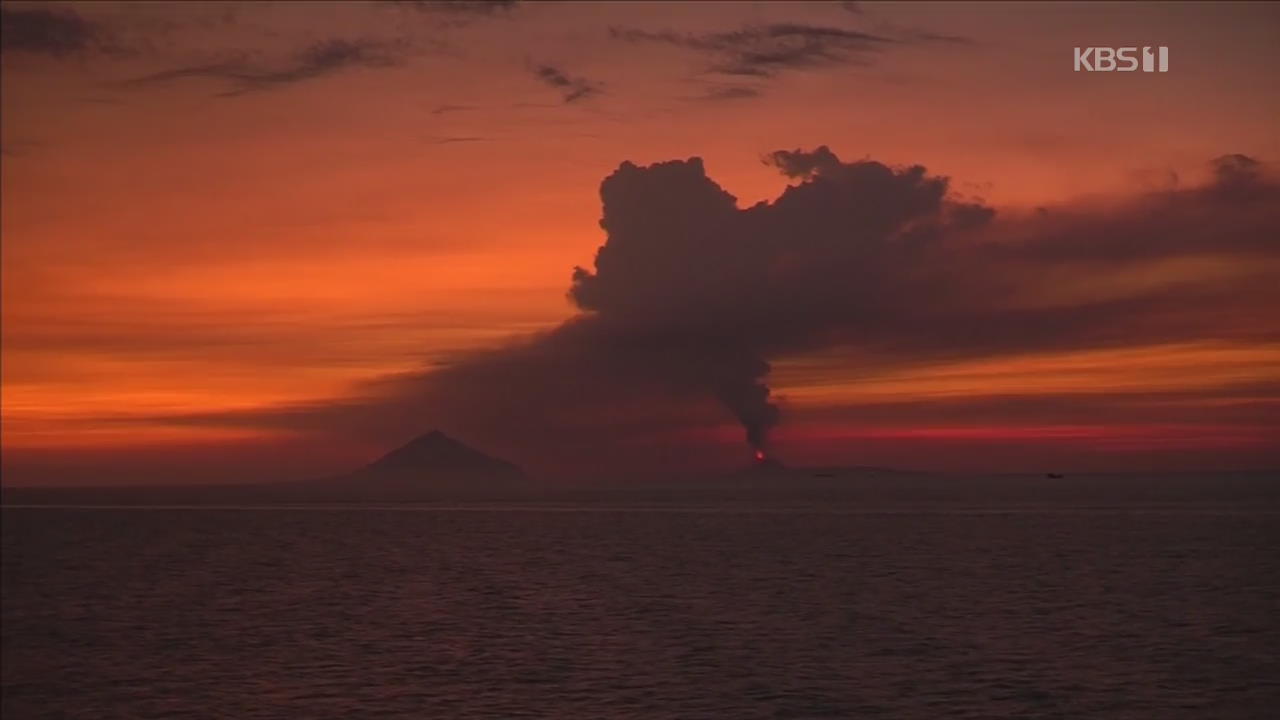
430	462
436	452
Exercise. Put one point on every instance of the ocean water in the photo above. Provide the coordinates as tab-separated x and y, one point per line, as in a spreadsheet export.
597	611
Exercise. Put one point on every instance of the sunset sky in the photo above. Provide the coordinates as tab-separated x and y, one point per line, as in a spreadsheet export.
256	241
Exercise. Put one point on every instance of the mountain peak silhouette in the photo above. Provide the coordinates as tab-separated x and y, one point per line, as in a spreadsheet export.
436	451
425	465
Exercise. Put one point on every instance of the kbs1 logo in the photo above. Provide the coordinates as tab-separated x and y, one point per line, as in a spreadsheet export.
1124	59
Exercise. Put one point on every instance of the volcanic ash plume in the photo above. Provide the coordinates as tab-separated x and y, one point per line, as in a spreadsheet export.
719	289
690	297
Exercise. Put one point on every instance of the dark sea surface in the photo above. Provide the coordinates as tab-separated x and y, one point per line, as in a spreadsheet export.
832	609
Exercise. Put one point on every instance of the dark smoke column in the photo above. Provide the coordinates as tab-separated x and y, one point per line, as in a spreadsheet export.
697	294
665	280
747	398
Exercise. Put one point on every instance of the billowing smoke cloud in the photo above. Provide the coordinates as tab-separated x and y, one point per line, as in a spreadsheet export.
690	297
721	289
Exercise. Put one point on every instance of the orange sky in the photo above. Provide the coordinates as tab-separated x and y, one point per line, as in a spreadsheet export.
170	249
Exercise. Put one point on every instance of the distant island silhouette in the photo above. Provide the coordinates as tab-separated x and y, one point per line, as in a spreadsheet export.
434	456
435	467
427	464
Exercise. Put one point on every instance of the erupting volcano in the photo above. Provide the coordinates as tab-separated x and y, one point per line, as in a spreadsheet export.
763	460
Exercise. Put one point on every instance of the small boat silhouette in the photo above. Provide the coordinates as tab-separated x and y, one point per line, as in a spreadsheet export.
1054	476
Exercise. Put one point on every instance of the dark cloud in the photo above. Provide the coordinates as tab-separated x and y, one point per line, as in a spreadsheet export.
731	92
317	60
1238	176
454	14
881	258
1251	404
484	8
45	31
719	289
572	89
1236	166
691	296
801	164
764	50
